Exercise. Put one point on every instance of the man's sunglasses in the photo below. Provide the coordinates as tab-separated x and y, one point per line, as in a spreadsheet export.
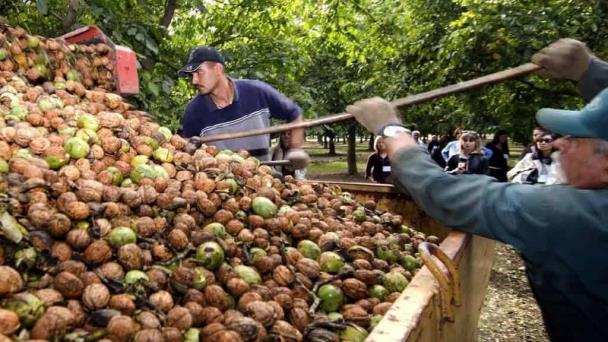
546	140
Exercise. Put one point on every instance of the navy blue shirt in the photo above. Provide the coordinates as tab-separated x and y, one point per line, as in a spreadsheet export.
254	103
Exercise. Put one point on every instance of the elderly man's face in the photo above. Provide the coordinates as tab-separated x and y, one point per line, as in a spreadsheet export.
583	167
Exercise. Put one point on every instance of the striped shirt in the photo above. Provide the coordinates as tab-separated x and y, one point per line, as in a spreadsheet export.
254	103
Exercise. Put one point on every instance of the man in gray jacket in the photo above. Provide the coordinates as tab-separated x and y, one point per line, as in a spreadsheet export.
561	231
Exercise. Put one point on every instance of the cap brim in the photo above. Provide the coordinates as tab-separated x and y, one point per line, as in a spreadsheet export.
564	122
188	69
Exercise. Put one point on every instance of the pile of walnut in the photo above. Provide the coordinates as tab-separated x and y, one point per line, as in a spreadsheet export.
114	228
51	62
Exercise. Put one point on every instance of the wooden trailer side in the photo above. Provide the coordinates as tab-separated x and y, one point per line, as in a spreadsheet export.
417	315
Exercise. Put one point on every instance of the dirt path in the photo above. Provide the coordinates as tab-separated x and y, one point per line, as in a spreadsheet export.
510	312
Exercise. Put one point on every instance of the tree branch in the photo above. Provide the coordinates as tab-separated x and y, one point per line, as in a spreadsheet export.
70	17
560	93
170	7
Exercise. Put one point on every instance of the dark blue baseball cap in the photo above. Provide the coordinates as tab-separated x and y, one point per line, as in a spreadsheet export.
589	122
197	56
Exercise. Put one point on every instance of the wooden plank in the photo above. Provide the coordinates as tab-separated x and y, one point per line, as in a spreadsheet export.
360	187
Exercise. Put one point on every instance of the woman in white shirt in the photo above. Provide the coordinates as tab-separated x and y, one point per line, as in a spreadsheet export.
540	166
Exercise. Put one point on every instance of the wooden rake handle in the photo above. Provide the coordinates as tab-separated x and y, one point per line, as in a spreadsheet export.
276	162
497	77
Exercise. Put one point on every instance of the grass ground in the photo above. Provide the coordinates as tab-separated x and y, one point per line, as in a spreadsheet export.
323	164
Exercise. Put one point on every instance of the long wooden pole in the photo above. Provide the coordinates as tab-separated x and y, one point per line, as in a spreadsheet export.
497	77
276	162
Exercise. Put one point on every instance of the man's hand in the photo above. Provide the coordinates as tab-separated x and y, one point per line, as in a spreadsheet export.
374	113
566	58
298	158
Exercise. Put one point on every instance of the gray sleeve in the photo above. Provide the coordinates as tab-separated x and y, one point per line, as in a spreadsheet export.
594	80
516	214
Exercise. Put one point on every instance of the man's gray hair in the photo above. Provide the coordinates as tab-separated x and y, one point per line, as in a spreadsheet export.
601	146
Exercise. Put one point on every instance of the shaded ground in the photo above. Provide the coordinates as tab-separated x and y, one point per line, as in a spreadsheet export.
510	312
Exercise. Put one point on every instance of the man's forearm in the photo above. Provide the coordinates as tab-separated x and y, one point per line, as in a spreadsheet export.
594	80
297	134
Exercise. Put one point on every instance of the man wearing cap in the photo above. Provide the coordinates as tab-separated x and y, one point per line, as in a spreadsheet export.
561	231
226	105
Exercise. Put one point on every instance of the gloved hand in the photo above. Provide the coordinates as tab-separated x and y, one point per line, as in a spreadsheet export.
566	58
374	113
298	158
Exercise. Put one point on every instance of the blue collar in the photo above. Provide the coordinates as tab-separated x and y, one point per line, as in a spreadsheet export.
210	106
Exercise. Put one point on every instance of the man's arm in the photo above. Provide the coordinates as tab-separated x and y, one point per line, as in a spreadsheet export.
281	107
297	134
594	80
512	213
571	59
516	214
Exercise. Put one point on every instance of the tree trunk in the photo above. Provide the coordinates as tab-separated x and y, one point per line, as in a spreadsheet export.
325	144
169	12
148	62
370	146
70	17
332	146
361	139
320	139
352	150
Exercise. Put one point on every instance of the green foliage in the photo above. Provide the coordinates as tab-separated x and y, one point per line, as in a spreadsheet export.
326	54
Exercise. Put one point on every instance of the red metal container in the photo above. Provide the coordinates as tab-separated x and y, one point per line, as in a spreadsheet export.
125	61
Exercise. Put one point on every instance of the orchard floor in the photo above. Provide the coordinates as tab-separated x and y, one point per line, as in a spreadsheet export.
509	312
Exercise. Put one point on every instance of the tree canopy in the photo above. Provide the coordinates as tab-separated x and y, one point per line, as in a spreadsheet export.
326	54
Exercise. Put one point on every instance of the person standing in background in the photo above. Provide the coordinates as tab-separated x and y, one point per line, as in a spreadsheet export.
539	167
378	165
537	132
433	142
470	159
452	147
416	135
499	161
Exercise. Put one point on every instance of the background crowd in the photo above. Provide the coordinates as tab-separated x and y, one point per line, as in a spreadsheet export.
463	152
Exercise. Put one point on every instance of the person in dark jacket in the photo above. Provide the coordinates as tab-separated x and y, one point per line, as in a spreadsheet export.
498	162
469	159
378	165
433	142
435	152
